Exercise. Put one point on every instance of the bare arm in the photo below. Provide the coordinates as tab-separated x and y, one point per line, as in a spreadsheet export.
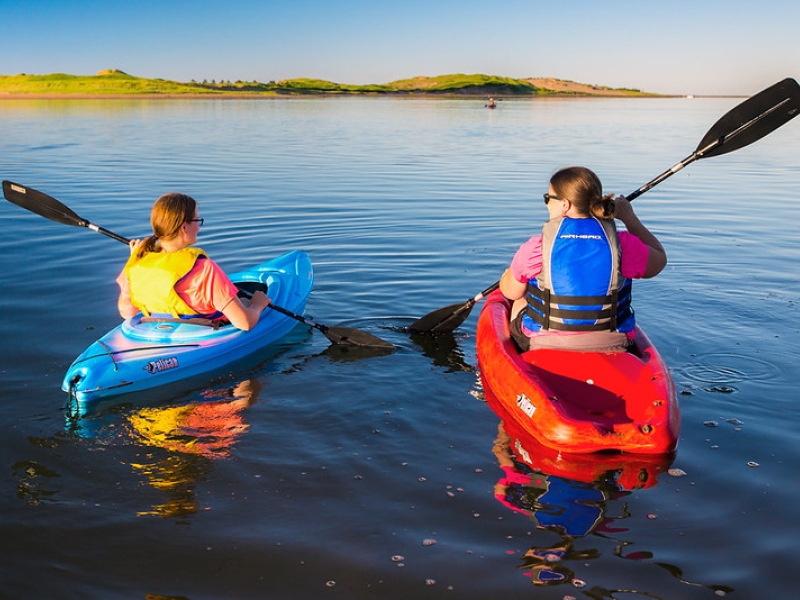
125	308
245	317
511	288
124	305
657	257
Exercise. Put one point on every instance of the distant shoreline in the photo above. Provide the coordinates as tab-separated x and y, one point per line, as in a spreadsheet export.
41	96
279	96
113	84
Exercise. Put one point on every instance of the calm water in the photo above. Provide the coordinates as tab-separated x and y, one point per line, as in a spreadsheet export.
308	475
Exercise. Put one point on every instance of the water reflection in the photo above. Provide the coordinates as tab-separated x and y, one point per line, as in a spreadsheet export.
32	479
444	351
194	435
569	495
347	353
209	428
573	496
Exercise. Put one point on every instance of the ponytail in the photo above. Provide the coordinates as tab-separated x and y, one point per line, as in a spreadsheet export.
169	214
603	207
150	244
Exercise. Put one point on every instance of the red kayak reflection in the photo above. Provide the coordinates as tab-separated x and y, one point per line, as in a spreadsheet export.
628	471
567	494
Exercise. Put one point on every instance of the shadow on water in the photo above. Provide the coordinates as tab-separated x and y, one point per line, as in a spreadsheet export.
574	496
345	353
444	351
33	478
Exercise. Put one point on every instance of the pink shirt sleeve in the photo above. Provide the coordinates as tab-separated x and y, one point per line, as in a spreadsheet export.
527	262
635	254
206	288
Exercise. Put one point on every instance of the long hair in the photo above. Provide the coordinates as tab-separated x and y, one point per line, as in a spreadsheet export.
169	213
583	188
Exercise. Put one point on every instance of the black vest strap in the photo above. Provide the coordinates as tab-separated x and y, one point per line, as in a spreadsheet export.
551	309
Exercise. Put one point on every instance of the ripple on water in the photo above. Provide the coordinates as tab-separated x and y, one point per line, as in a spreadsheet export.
720	372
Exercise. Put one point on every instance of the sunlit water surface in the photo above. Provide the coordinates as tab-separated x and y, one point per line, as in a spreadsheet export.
307	474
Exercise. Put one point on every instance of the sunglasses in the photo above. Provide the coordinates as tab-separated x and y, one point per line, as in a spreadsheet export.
548	196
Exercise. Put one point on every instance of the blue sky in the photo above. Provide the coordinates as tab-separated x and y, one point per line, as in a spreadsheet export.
681	46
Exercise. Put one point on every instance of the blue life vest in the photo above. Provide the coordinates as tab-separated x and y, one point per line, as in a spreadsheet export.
580	287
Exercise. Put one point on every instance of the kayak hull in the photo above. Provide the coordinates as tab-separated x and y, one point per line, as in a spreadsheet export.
136	356
628	471
579	402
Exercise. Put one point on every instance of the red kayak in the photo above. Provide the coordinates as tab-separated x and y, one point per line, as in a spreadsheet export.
579	402
628	471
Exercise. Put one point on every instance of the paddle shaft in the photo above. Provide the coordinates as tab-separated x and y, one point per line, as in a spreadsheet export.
108	233
749	121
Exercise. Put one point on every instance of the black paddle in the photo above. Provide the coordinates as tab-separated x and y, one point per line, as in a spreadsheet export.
449	317
753	119
50	208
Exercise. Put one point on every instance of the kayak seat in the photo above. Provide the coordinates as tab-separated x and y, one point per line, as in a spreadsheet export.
192	321
582	401
592	386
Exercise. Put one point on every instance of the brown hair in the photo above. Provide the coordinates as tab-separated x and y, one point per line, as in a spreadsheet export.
169	213
584	190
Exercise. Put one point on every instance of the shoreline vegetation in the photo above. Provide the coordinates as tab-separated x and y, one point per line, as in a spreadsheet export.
112	83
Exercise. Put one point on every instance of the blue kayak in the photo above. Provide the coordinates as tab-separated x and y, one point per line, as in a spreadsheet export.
142	354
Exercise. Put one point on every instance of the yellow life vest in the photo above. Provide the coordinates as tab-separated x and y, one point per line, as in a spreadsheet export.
153	277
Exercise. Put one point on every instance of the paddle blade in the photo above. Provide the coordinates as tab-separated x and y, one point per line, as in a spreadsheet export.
443	319
355	337
449	317
338	335
41	204
753	119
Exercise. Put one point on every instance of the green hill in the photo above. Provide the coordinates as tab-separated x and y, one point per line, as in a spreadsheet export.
112	82
105	82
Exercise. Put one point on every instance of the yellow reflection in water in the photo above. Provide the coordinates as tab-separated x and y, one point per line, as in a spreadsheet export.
194	435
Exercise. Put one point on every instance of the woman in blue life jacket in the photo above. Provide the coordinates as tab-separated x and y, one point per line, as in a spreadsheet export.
571	285
166	277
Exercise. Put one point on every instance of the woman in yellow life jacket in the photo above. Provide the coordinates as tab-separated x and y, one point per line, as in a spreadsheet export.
165	276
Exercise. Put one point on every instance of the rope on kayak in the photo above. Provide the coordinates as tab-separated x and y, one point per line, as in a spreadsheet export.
73	406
